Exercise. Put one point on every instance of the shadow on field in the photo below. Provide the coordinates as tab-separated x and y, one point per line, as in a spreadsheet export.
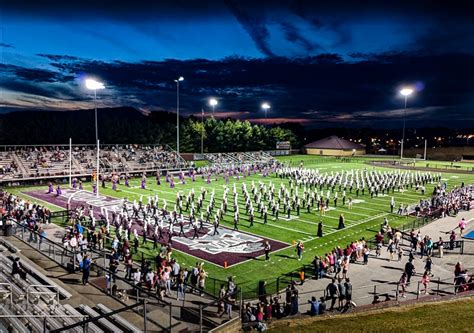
394	268
284	256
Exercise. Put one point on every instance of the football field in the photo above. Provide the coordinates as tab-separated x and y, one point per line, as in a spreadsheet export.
240	254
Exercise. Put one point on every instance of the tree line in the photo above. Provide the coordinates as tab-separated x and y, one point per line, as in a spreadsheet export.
127	125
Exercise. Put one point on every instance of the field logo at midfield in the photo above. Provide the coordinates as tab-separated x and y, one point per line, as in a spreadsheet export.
89	199
227	241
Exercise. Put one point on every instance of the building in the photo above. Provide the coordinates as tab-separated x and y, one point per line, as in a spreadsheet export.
334	146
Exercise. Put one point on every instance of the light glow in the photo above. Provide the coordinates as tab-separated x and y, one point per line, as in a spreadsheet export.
213	102
94	85
406	91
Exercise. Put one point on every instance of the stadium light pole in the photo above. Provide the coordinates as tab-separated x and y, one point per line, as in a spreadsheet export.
213	102
266	107
404	92
92	84
202	131
178	80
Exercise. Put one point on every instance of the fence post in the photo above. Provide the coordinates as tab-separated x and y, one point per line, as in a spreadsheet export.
144	316
200	317
278	285
418	290
45	328
241	303
74	258
375	290
396	293
171	315
437	291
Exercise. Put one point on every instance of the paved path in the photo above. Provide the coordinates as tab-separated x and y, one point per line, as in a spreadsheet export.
385	274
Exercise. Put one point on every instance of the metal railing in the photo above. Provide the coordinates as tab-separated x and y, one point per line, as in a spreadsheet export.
44	318
115	285
39	292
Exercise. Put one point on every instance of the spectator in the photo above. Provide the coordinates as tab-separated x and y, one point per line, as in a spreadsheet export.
314	310
86	268
18	269
402	283
425	280
332	293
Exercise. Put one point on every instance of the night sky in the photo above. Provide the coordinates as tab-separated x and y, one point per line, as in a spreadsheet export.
320	64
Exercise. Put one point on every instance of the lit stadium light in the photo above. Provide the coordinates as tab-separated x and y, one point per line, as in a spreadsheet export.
213	102
178	80
94	85
266	107
406	91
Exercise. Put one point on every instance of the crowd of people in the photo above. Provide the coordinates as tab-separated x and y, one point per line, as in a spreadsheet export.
451	202
238	158
46	161
154	220
335	266
24	212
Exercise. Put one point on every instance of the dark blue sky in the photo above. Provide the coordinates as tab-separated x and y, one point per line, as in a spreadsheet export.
316	63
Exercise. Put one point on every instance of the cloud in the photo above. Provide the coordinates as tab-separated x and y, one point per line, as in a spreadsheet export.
276	121
223	114
293	35
6	45
319	89
254	24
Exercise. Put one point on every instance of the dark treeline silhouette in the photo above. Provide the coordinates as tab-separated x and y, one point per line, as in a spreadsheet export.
128	125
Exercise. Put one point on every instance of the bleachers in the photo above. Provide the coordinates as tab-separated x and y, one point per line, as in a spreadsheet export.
28	313
14	322
63	292
238	158
104	322
43	161
90	326
35	162
119	320
8	167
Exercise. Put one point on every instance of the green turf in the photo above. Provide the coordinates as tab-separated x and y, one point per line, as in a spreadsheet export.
451	316
362	221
